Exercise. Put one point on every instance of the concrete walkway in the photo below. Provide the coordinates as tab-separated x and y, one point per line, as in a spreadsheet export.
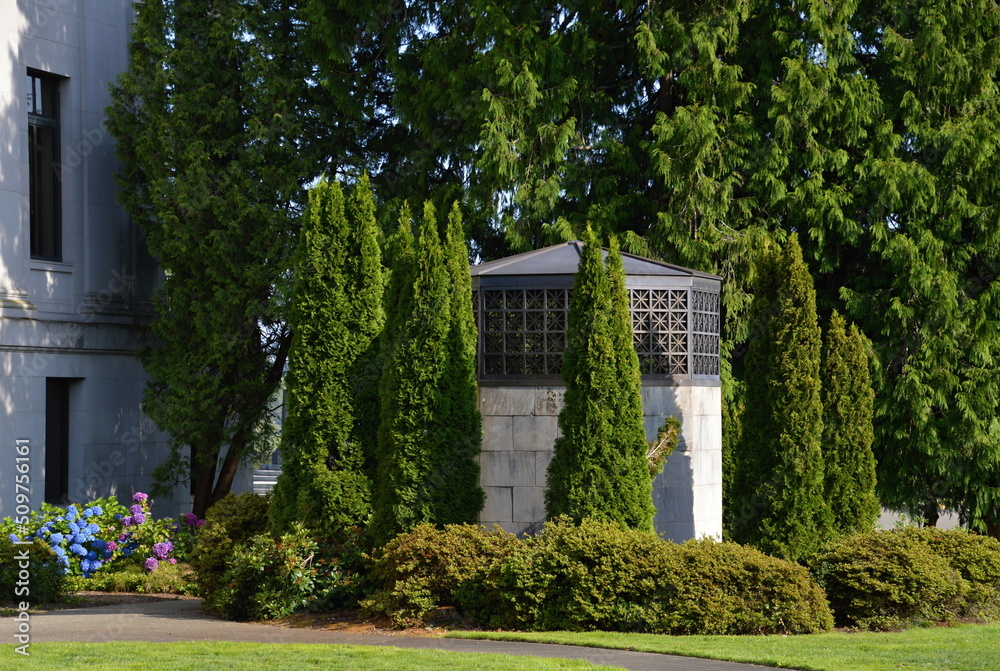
184	620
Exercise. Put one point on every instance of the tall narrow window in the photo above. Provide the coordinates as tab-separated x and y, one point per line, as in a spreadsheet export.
43	166
57	440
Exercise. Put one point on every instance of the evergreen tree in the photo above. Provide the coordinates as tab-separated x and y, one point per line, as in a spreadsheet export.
335	316
207	122
849	465
779	479
457	494
628	430
426	471
599	467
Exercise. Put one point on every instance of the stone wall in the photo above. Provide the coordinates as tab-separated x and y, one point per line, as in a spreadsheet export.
520	426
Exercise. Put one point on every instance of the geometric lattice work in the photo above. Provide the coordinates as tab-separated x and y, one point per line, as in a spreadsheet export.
705	330
523	331
660	330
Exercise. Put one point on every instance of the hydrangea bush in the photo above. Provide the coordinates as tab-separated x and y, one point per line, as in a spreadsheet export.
105	533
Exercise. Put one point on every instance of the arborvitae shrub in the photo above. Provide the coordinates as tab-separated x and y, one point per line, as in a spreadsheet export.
426	568
889	579
231	521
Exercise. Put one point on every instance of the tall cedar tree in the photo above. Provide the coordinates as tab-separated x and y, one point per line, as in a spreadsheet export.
779	482
429	433
207	124
628	426
849	465
336	315
599	467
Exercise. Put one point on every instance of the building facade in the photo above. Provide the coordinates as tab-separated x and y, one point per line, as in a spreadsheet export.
75	278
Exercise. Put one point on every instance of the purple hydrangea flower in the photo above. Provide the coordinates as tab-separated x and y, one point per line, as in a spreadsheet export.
127	522
172	560
161	550
123	537
112	546
136	509
189	519
151	564
139	497
139	519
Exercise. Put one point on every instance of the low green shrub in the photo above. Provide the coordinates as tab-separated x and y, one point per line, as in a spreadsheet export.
46	576
977	559
269	577
888	580
599	576
726	588
232	521
593	576
166	579
426	568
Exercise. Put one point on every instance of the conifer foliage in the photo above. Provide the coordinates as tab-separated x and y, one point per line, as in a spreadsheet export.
847	429
336	314
599	467
779	504
430	430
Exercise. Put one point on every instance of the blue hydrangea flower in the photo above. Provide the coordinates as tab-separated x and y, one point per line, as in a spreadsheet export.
77	549
93	528
118	516
88	513
97	510
73	527
56	538
92	555
60	552
128	551
72	513
96	564
99	545
13	538
85	566
80	538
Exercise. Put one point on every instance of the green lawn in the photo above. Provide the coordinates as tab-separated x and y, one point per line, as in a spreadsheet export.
964	648
271	656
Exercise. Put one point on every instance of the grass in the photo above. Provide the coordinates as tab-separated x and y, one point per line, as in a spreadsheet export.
274	657
959	648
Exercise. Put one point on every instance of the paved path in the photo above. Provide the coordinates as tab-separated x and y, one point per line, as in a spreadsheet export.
184	620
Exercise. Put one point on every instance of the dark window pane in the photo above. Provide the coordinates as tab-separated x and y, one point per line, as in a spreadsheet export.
43	166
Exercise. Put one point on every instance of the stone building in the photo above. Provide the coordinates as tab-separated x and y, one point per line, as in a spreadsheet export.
521	305
75	279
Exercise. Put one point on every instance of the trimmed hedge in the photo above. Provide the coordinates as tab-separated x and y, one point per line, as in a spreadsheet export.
597	575
727	588
425	568
892	579
600	576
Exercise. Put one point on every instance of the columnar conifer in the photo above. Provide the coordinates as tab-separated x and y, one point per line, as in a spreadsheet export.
779	480
847	429
599	468
336	314
426	471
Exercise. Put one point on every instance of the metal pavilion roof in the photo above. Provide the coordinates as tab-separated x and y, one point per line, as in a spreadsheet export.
564	258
